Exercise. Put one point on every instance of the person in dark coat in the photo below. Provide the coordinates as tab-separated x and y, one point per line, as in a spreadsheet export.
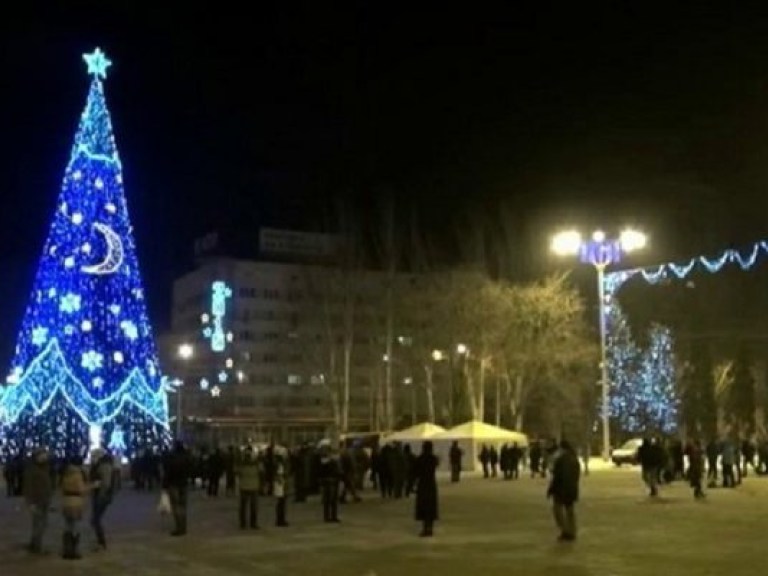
651	458
713	453
329	472
216	467
455	456
176	471
695	454
493	459
426	488
38	493
564	490
102	480
485	460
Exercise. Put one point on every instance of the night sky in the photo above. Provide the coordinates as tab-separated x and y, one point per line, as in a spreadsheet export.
526	117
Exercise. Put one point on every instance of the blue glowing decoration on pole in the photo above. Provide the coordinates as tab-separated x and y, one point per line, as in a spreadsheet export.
214	330
601	252
86	360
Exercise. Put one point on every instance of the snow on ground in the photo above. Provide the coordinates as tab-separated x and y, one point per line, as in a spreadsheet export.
487	527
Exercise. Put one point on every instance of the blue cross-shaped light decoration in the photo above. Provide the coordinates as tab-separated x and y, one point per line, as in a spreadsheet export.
214	329
97	63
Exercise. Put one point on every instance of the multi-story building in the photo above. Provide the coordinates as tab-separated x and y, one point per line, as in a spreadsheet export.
261	341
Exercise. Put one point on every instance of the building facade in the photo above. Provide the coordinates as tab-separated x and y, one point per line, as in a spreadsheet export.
289	350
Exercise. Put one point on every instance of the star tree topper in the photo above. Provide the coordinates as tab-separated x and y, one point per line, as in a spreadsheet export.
97	63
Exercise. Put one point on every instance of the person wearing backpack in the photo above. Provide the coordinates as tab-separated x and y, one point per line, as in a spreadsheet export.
102	485
73	489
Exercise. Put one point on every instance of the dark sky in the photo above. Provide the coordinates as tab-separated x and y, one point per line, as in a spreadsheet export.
610	114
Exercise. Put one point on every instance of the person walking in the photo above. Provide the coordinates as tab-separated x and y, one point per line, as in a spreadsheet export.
455	456
175	481
493	460
695	454
713	453
102	480
73	490
728	460
564	490
426	489
249	477
38	491
485	459
650	458
329	473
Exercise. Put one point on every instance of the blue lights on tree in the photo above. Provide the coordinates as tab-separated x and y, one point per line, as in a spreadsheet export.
640	392
86	364
644	396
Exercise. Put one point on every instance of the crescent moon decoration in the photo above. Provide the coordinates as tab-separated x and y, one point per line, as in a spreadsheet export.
114	257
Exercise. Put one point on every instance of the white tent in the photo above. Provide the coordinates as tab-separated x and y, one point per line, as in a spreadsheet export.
418	432
415	435
471	436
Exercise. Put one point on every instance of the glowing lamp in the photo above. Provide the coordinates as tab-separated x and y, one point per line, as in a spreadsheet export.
567	243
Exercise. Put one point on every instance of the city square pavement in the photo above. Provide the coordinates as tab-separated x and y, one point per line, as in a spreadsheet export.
487	527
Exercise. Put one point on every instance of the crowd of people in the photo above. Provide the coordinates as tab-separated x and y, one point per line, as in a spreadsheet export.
664	462
250	471
337	475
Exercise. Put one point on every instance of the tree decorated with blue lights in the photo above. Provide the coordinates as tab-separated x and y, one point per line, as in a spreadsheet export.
85	369
657	401
644	396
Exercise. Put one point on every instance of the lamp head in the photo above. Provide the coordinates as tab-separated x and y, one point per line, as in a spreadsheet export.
632	240
566	243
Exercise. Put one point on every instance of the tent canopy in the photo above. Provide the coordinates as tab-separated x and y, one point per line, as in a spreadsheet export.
476	430
418	432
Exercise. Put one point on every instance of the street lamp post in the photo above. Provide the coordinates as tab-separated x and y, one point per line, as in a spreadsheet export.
185	353
601	252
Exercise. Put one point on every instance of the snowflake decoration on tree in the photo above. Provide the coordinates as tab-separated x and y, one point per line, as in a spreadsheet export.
129	329
92	360
98	382
70	303
52	293
118	357
115	309
39	335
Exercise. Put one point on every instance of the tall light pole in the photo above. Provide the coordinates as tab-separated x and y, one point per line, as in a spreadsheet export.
601	252
185	352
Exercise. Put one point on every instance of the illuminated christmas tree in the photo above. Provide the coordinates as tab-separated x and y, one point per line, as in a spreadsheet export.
657	400
644	398
85	369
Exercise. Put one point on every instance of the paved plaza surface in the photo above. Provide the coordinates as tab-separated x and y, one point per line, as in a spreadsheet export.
487	527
